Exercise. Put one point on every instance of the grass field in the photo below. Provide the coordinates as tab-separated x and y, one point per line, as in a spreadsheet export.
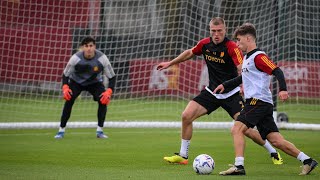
137	154
33	109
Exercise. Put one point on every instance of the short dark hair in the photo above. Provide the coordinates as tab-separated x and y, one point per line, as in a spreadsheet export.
87	40
246	28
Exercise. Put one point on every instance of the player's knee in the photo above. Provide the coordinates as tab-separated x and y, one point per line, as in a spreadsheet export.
235	130
238	129
186	117
276	142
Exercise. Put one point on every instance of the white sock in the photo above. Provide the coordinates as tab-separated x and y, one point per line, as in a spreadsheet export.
268	147
62	129
184	149
99	128
302	156
239	161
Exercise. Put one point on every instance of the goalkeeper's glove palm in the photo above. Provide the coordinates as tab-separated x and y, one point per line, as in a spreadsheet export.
66	92
105	97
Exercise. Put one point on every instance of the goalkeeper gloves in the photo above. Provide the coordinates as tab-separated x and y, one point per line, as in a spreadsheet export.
106	96
66	92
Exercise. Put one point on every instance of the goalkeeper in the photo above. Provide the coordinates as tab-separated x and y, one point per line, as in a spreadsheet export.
86	71
223	59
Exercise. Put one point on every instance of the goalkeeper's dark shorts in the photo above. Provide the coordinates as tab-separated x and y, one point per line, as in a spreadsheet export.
260	114
232	104
94	89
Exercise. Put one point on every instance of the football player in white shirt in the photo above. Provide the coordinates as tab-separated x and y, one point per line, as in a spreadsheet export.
257	69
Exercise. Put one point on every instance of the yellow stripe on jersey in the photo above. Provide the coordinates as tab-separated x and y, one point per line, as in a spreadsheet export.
239	56
268	62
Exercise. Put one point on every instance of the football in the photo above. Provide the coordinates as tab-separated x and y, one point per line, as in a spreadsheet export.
203	164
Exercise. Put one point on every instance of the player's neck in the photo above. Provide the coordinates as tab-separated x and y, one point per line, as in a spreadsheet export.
251	47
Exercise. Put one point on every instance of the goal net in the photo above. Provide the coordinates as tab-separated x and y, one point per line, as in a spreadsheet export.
38	38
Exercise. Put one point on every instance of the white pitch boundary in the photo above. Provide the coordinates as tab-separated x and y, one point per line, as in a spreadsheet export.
144	124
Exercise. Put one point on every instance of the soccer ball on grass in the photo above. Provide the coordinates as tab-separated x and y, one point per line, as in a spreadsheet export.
203	164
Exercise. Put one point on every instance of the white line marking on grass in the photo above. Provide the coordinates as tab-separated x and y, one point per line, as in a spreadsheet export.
71	132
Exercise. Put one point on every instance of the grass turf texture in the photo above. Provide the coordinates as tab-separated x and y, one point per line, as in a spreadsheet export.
31	109
138	154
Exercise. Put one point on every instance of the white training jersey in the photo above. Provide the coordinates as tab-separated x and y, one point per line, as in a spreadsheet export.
256	83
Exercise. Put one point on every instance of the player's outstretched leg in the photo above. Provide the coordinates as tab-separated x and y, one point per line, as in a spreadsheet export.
176	159
256	137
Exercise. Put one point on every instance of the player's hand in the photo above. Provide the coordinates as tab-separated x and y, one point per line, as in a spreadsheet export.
105	97
219	89
283	95
163	65
66	92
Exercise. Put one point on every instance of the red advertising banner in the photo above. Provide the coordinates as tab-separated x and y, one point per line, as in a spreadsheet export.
302	77
188	78
185	79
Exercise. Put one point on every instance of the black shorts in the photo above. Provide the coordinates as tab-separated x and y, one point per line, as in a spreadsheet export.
232	104
260	114
95	89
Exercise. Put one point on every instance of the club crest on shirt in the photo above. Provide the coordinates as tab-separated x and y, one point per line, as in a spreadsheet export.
95	68
221	54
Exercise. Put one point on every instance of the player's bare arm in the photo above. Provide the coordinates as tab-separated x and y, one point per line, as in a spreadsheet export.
187	54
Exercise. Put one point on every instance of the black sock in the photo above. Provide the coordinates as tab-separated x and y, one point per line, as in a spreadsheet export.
307	161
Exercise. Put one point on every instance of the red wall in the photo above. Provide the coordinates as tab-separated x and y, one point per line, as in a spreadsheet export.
36	40
34	53
58	13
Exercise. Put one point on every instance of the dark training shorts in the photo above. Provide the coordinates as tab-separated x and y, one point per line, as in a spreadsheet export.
95	89
260	114
232	104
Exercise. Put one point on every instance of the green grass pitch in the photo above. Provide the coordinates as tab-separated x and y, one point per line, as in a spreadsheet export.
138	154
31	109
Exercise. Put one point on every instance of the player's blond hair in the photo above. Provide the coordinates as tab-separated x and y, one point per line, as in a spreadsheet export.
217	21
